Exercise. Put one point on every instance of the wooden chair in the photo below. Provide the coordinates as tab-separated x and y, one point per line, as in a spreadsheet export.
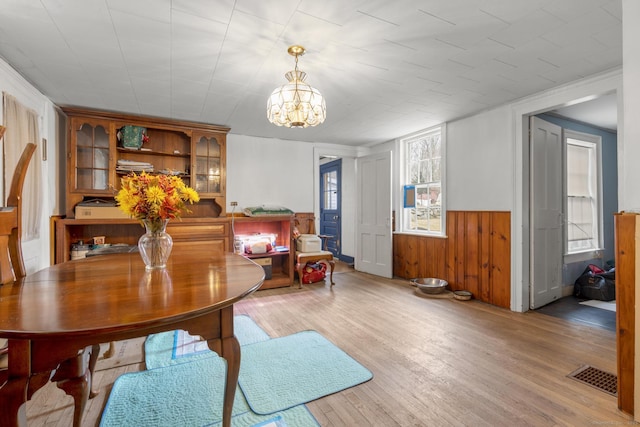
11	262
74	375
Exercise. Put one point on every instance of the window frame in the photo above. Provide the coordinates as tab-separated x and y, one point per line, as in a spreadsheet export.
593	142
403	219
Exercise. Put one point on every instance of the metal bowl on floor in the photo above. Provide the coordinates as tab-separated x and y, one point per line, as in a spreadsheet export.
430	285
462	295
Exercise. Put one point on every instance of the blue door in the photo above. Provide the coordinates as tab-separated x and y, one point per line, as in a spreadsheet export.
330	202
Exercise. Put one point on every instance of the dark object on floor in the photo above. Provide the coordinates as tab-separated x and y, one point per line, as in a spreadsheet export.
596	378
595	283
569	308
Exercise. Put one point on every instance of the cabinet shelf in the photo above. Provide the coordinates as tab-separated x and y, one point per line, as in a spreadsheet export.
266	254
281	261
152	153
123	173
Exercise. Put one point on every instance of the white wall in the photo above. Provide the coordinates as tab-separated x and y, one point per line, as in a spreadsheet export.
36	251
629	156
479	163
486	164
488	151
280	172
266	171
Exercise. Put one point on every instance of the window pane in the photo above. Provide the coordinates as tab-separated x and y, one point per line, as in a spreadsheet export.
577	170
101	158
100	179
84	137
423	169
581	218
214	148
330	185
582	195
101	137
202	147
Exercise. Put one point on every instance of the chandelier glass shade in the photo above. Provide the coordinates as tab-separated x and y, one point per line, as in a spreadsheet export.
296	104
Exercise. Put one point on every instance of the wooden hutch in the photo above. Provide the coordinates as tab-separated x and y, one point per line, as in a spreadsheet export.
195	151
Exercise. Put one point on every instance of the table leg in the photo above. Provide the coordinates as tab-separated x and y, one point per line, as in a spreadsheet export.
13	395
75	377
111	350
14	391
231	353
93	360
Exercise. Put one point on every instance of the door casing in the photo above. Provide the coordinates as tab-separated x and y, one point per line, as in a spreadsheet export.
330	217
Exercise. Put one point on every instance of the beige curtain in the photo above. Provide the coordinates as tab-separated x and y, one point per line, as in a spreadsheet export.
22	128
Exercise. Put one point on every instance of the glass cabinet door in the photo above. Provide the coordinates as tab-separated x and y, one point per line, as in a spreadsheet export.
91	157
208	165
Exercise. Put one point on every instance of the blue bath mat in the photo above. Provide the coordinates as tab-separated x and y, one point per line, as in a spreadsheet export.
284	372
169	348
277	376
186	394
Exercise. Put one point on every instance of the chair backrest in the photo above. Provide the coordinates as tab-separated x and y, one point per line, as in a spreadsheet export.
11	261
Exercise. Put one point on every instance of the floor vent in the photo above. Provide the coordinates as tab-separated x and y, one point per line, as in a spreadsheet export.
596	378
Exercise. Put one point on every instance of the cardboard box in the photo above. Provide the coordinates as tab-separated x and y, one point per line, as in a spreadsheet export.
100	212
266	266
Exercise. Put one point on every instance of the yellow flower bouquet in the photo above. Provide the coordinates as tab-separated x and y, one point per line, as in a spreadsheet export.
154	200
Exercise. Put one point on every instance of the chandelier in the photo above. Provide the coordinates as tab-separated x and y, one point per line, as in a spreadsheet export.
296	104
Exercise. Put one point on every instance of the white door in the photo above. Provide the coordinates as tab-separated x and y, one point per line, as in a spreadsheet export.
373	228
546	212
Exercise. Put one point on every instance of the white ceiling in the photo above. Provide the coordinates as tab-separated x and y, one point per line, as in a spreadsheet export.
387	68
601	112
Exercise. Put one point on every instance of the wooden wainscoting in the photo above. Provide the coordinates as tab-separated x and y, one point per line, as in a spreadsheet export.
626	230
475	255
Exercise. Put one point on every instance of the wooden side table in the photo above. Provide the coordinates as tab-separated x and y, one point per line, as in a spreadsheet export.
302	258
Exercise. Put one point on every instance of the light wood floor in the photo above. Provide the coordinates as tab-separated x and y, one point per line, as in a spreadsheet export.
436	362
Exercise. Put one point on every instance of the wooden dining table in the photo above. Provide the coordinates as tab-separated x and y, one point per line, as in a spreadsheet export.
56	314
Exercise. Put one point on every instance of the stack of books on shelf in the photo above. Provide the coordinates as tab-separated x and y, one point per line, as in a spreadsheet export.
126	166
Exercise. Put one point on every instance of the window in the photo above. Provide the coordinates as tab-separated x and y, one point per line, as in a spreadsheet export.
330	190
583	194
423	168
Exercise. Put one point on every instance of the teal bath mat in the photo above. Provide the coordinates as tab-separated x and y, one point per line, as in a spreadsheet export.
284	372
186	394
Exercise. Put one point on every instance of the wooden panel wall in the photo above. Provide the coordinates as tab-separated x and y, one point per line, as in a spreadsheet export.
625	232
475	255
